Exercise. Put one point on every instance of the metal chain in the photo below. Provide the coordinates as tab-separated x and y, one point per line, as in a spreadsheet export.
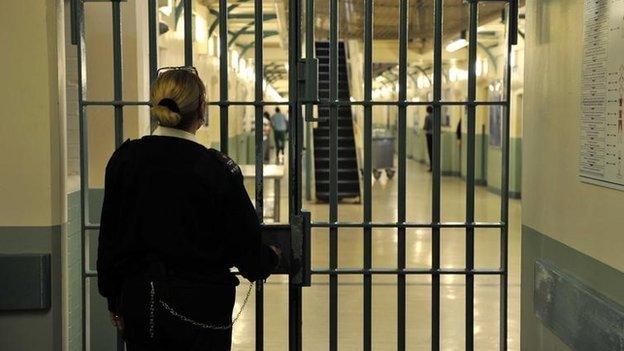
152	308
186	319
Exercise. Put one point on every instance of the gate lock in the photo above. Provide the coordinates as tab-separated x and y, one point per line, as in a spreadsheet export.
294	241
308	80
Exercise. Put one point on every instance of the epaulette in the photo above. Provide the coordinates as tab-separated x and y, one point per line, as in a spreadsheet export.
229	164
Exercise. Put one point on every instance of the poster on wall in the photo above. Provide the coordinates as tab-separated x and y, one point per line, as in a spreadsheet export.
601	136
495	116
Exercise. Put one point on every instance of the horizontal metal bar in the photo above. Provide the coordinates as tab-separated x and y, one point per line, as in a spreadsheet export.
383	225
406	225
326	103
406	271
378	271
247	103
90	273
115	103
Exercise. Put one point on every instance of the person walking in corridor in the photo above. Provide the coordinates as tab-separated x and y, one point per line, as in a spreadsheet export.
280	129
266	132
176	217
428	128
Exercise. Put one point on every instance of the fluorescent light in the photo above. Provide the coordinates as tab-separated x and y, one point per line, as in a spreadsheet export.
456	45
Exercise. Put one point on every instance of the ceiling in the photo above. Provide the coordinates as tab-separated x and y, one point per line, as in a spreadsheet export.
351	19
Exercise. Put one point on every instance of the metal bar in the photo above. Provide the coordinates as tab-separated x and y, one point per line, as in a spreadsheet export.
435	191
403	272
188	32
402	135
117	72
406	225
295	305
340	103
333	174
81	57
73	21
368	169
115	103
491	225
153	47
223	75
504	241
258	97
118	96
380	271
470	177
309	107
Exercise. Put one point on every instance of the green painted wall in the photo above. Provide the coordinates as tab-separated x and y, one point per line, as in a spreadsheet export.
494	164
73	264
449	153
241	148
481	142
103	335
34	330
597	275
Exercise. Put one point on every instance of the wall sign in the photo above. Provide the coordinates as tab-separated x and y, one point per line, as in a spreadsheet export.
602	138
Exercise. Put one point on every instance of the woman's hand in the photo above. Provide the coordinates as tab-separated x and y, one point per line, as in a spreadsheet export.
117	321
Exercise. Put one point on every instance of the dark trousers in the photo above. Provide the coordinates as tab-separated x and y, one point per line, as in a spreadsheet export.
429	149
186	339
280	140
204	303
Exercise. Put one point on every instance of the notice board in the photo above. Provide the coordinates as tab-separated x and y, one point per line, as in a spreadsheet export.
602	138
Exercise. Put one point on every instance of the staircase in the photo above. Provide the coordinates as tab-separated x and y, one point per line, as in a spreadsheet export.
348	178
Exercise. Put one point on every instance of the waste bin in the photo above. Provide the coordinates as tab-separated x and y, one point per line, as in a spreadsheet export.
383	153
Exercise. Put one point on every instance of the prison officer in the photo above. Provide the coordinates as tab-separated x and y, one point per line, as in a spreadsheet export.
176	217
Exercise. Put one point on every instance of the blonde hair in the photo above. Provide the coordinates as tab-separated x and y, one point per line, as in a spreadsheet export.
185	88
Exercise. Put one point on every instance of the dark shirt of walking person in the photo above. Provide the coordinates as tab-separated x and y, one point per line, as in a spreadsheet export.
266	132
176	217
428	128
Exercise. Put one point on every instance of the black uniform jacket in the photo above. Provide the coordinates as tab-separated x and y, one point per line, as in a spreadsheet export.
175	201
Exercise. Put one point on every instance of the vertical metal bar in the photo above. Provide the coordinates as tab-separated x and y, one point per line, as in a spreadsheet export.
223	75
333	174
188	32
153	47
259	97
74	22
118	95
309	107
368	136
402	116
470	178
435	190
295	335
504	252
117	72
84	166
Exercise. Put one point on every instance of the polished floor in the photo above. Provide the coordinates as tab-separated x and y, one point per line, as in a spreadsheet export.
418	307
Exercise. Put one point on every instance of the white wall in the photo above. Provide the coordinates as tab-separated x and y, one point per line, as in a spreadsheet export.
31	164
588	218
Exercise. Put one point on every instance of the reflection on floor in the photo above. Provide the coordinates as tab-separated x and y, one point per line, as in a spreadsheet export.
350	253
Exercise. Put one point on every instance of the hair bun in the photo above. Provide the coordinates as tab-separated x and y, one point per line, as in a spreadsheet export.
165	116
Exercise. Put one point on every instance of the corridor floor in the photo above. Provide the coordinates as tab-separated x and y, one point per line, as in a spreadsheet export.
418	307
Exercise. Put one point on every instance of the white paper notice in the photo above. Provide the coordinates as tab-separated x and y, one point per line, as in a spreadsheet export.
602	138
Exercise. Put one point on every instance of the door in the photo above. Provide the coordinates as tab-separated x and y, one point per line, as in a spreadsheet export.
302	99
